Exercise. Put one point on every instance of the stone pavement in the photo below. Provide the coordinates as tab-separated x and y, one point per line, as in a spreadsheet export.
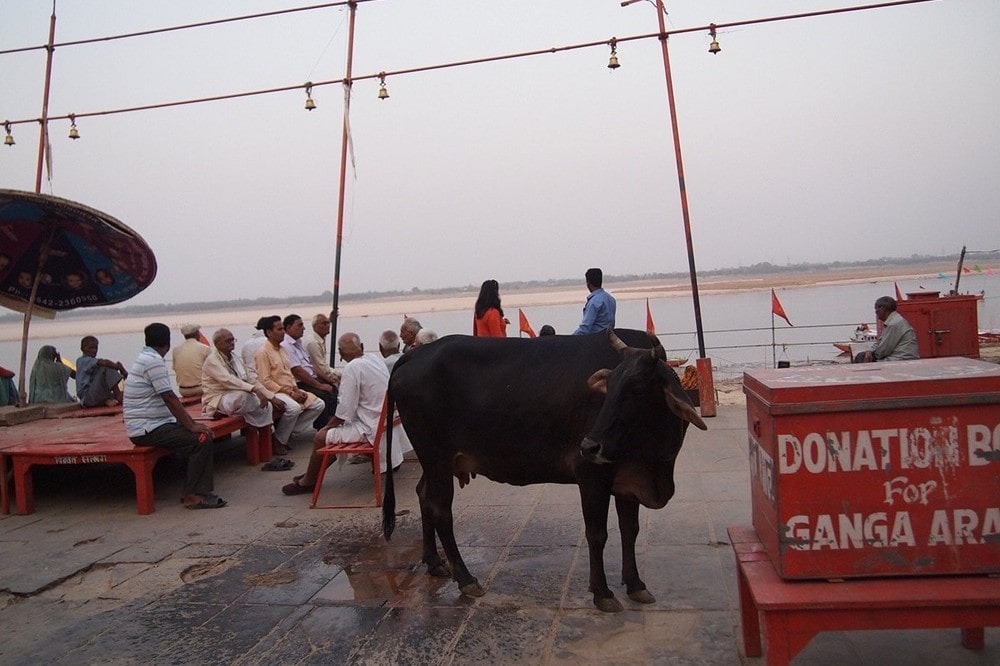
86	580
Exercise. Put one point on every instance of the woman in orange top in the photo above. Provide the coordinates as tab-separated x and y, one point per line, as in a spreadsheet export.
489	321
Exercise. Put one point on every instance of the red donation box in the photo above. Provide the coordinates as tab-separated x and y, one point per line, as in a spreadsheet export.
876	469
945	325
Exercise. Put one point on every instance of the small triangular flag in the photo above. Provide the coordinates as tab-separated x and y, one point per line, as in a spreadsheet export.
524	326
777	309
650	326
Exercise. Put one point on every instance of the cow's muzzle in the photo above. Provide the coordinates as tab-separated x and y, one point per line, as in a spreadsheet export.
592	451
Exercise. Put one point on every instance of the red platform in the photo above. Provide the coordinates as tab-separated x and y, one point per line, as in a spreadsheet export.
790	613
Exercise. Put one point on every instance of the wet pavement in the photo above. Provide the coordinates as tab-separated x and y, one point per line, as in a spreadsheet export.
266	580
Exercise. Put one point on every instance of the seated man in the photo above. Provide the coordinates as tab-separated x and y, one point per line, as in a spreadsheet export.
97	379
274	371
388	345
362	391
408	332
898	341
315	344
424	336
228	389
249	349
187	360
154	416
305	376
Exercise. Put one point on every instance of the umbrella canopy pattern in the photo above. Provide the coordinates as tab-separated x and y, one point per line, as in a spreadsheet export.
81	257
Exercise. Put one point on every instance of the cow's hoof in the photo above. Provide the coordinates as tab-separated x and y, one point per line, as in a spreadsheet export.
608	605
473	589
439	570
642	597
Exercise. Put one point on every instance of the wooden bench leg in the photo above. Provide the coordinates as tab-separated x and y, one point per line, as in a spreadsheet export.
24	487
973	638
5	487
749	618
252	436
145	499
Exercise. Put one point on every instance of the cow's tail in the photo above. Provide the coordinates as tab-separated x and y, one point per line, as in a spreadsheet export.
389	498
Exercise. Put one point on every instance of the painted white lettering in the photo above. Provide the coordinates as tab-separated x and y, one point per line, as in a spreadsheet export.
902	531
910	493
789	454
864	454
876	532
983	444
798	531
851	531
824	536
814	453
965	522
991	523
940	534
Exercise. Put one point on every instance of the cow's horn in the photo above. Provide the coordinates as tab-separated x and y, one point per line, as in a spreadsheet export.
657	351
616	342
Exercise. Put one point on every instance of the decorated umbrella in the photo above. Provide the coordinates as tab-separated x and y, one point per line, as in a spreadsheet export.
57	255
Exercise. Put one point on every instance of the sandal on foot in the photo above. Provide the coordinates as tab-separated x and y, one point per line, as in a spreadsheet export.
207	502
294	488
277	464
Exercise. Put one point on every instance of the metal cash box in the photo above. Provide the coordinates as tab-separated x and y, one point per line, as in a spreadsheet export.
875	469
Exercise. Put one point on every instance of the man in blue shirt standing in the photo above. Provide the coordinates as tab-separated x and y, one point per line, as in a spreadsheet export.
599	310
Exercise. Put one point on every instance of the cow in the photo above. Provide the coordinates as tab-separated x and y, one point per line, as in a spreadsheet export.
602	411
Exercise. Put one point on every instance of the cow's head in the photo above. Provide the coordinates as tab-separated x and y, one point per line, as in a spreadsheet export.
644	402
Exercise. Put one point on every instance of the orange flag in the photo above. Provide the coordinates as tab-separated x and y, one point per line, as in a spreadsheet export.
777	309
899	294
650	326
525	327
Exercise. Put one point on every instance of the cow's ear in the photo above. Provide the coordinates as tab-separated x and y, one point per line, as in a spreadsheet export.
682	407
599	381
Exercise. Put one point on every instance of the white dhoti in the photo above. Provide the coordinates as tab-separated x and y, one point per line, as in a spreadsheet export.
351	433
297	419
247	405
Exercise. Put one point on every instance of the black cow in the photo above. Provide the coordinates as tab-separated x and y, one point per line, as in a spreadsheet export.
602	411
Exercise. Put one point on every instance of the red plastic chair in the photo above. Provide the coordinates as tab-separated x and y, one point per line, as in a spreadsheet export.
347	448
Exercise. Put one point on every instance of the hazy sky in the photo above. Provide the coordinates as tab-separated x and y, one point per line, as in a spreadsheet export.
841	137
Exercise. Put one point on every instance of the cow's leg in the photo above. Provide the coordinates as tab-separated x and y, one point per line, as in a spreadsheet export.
628	523
435	565
436	501
595	517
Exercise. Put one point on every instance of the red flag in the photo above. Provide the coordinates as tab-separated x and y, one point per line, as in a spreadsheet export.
777	309
525	327
899	294
650	326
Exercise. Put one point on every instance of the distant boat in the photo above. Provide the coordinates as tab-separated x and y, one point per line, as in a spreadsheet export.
861	334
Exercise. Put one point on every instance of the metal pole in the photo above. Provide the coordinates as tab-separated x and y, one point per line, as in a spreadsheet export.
344	138
660	11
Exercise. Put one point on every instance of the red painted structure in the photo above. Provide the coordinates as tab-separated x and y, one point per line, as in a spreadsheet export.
945	326
877	469
790	613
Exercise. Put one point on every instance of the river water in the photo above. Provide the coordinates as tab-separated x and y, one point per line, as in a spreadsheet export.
737	325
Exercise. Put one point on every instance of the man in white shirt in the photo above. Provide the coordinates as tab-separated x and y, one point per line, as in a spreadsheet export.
362	391
305	375
314	341
228	389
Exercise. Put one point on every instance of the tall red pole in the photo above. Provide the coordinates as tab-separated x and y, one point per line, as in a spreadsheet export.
344	138
660	11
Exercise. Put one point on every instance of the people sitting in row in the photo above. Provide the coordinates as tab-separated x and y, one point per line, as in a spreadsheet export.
97	379
274	371
48	378
302	368
388	346
228	389
315	344
362	392
188	359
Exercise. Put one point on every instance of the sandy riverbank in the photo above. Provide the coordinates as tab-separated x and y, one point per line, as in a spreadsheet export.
103	322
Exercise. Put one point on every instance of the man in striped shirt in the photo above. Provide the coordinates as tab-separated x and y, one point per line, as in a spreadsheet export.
154	416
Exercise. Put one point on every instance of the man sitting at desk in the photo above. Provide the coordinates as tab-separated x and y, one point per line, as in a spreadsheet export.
898	341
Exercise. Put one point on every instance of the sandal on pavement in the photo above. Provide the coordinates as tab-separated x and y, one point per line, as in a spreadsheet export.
294	488
207	502
277	464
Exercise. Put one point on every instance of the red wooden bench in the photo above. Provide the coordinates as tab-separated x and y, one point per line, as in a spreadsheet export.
791	613
101	440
